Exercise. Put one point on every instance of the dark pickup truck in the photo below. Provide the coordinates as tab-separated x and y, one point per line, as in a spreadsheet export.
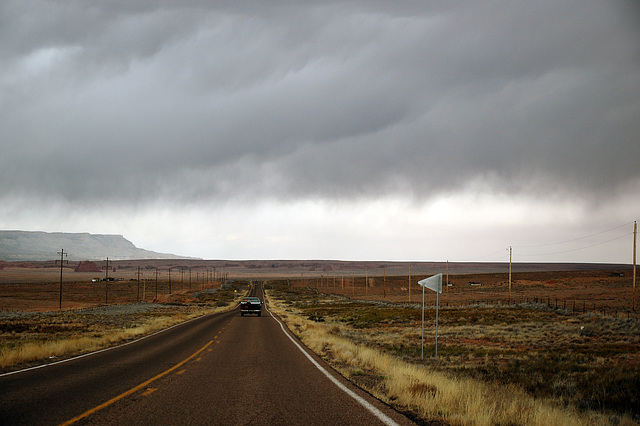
250	305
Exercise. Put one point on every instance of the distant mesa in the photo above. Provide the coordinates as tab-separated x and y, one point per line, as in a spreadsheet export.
43	246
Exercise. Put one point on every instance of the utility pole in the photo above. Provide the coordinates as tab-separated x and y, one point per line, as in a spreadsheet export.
447	282
156	283
635	233
409	283
138	297
106	284
384	283
169	279
510	252
62	255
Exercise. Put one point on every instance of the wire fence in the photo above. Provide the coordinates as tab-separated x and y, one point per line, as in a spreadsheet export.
570	306
17	297
606	293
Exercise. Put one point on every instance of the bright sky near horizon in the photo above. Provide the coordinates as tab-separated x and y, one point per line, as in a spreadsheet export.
352	130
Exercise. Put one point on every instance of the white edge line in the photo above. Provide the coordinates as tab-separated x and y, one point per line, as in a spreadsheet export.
379	414
98	351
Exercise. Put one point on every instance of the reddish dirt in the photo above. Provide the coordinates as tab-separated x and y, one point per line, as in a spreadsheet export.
38	288
579	290
36	285
87	266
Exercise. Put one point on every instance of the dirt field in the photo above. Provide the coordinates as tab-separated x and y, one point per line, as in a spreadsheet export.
36	287
585	363
578	359
609	291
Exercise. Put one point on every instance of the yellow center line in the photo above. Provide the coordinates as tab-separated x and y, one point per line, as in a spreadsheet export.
134	389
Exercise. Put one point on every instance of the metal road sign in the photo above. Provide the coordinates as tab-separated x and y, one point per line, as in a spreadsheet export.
433	283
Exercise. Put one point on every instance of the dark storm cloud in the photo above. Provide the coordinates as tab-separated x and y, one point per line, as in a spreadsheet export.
330	99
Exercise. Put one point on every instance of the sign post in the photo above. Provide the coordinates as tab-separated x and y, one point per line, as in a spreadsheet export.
432	283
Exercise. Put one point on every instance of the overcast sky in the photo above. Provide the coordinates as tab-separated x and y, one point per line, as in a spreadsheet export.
373	130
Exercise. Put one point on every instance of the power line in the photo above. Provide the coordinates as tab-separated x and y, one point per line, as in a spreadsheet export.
575	239
501	255
490	257
575	249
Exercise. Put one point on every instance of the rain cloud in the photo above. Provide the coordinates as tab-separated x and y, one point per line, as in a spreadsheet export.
152	103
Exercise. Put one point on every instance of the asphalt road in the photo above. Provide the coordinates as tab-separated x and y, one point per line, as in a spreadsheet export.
218	369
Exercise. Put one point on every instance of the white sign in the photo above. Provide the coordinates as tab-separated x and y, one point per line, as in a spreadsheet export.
433	283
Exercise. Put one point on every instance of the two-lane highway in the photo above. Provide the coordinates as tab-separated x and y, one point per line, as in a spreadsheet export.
219	369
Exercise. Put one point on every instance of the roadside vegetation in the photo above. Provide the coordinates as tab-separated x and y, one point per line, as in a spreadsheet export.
30	338
525	364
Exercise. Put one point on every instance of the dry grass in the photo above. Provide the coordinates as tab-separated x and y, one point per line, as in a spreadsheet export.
60	347
377	347
32	338
34	351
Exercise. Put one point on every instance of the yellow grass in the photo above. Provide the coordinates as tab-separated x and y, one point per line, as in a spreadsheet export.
431	394
57	348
